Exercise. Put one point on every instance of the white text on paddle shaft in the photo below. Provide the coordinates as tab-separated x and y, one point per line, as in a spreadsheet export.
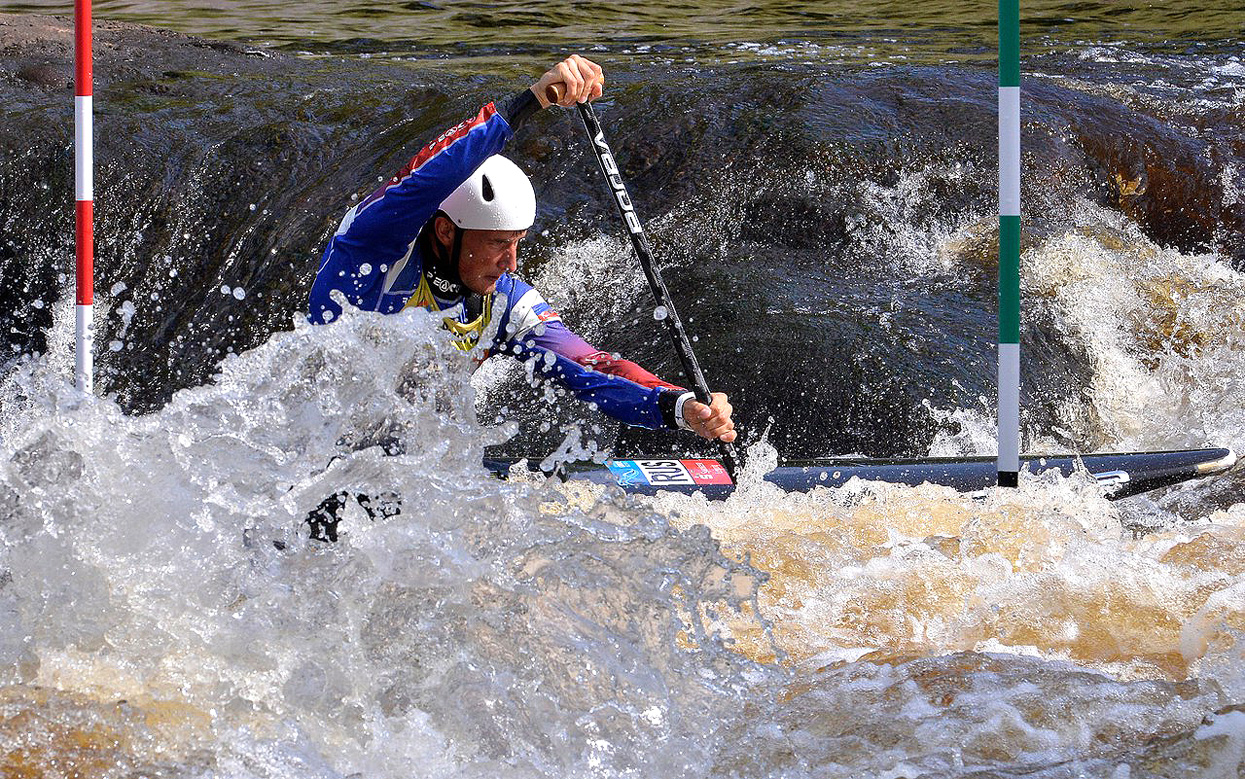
616	183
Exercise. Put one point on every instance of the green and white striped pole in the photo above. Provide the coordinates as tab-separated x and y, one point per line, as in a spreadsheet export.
1009	243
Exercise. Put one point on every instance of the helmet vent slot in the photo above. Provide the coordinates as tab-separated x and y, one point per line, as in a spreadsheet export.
487	191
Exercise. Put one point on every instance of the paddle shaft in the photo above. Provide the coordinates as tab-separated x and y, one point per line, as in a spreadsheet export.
639	241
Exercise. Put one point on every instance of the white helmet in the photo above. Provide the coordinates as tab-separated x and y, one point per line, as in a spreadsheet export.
497	196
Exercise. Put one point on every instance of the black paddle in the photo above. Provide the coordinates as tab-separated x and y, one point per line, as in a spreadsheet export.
631	220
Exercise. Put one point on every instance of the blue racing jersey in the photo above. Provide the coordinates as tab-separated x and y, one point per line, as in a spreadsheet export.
381	259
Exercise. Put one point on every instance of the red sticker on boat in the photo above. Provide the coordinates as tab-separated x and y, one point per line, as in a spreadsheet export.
707	471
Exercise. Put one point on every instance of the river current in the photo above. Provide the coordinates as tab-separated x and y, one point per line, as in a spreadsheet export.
819	181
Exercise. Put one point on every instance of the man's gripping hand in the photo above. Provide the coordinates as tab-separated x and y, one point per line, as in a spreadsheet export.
712	421
582	78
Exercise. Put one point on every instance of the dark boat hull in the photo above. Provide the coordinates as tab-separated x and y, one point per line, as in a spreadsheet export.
1120	474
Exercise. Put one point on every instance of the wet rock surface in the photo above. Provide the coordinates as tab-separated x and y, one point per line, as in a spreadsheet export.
796	210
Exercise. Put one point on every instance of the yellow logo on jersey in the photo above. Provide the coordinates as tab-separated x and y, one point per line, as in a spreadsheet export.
465	334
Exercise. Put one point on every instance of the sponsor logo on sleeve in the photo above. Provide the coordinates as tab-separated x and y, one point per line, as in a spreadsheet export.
524	316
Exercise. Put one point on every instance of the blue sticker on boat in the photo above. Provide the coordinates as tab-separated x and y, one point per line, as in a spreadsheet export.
627	472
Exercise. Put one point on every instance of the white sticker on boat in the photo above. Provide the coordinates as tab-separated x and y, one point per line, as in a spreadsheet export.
664	472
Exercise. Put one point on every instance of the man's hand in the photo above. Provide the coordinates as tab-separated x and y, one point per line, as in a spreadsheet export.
582	78
712	421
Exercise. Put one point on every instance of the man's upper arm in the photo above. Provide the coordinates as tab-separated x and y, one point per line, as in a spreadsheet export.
533	321
390	218
380	230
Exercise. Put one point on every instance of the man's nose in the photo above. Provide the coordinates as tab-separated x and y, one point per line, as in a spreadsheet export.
510	258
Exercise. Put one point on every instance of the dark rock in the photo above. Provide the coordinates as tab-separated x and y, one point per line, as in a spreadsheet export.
47	75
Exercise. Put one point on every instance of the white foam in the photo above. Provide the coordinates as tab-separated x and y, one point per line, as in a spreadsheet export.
1162	329
163	560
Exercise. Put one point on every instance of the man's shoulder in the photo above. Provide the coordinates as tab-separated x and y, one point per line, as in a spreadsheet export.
525	306
513	287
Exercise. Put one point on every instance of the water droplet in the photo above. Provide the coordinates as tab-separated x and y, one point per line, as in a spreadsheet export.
660	313
365	269
239	293
224	289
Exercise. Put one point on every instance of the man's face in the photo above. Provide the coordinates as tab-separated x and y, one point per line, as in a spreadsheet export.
486	254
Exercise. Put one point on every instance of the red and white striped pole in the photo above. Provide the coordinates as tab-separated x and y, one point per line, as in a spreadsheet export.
84	139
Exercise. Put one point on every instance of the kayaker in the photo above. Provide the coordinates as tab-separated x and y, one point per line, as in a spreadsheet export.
443	234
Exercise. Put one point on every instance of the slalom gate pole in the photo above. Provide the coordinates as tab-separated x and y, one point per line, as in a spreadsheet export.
639	241
84	237
1009	243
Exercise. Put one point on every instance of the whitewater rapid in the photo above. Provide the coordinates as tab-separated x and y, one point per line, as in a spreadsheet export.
165	612
829	219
